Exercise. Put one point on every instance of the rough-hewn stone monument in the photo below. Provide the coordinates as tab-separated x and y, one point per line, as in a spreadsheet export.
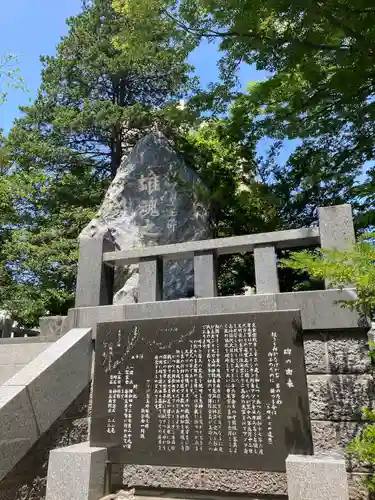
152	201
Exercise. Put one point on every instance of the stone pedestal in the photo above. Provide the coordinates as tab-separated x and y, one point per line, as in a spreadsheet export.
76	473
316	477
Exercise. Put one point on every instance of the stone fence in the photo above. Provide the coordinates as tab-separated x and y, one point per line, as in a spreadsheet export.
98	258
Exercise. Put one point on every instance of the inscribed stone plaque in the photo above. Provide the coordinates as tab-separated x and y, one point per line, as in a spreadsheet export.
224	391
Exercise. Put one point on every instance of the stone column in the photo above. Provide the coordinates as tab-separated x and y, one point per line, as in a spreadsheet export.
336	227
336	230
205	284
316	477
94	279
150	280
266	278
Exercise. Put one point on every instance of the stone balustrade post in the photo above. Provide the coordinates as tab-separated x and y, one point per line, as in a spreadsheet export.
266	278
205	281
150	287
94	279
336	229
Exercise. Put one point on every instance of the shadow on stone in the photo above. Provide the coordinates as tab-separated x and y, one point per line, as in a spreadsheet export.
27	480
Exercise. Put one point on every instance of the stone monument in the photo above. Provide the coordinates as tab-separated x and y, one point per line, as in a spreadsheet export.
226	391
225	395
152	201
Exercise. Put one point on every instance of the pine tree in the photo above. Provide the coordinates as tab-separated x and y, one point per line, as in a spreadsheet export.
68	145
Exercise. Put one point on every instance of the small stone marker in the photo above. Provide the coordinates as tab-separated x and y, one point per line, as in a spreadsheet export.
223	391
321	477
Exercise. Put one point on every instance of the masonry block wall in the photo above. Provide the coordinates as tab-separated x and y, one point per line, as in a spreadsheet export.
340	382
338	374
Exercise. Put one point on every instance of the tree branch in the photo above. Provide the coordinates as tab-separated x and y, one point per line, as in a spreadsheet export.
357	11
256	36
349	32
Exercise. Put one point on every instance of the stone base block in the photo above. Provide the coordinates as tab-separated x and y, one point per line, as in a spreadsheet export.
76	473
194	479
317	477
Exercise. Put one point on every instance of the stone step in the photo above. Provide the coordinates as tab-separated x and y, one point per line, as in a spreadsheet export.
184	495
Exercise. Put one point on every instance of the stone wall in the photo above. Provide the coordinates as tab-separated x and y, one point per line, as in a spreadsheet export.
340	383
27	481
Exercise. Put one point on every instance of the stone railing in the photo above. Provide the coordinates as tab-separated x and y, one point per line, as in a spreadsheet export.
7	330
98	258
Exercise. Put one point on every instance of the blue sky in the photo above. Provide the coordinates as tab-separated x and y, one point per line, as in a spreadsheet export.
31	28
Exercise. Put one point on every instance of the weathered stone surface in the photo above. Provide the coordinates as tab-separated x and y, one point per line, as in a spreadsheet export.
318	477
337	353
150	202
76	473
348	353
20	354
27	480
357	487
80	407
339	397
51	327
219	480
315	353
336	227
18	427
64	368
333	436
321	309
121	495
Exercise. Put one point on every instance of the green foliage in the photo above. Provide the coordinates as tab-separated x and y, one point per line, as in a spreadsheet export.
225	159
354	266
362	447
122	70
93	104
9	75
319	57
240	202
